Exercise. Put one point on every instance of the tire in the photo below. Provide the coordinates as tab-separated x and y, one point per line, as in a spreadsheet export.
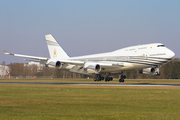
106	79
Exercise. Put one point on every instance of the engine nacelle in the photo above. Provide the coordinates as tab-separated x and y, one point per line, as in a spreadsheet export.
56	64
148	71
93	66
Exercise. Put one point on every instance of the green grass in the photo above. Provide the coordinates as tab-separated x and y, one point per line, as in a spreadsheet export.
19	102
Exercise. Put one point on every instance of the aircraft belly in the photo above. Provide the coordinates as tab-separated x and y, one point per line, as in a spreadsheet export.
127	66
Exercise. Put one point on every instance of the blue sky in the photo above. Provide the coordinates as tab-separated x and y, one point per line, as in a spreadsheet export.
85	27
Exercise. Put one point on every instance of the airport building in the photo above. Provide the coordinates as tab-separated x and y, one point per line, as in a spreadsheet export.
3	71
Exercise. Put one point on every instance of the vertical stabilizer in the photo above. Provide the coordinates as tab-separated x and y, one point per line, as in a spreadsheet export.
55	50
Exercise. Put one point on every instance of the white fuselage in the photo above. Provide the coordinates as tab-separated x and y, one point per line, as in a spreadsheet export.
134	57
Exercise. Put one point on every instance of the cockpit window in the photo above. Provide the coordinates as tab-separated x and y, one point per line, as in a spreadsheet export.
161	46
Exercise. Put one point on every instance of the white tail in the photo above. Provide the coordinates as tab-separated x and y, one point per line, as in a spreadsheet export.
55	50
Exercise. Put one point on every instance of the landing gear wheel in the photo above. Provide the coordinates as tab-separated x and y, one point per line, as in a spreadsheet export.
122	78
98	78
106	79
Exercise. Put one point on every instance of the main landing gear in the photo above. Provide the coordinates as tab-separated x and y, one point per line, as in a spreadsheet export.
99	78
107	79
122	78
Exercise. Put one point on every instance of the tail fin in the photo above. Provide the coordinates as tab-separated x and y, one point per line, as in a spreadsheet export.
55	50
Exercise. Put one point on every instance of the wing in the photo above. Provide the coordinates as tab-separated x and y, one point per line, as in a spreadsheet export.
77	66
26	56
83	67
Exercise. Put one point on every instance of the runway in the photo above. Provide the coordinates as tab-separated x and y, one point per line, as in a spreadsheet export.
96	84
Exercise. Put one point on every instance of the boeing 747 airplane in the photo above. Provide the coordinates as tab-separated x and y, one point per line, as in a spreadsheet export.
146	58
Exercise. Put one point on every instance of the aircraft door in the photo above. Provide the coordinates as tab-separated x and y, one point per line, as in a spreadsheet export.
127	57
147	55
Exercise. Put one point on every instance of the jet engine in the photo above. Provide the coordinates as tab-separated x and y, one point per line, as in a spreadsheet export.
56	64
92	66
148	71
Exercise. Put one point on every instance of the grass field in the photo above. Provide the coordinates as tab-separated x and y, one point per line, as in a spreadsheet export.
19	102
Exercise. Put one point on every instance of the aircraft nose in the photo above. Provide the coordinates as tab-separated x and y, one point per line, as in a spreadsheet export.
171	54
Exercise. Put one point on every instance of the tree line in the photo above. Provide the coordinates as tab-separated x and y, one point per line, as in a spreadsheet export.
19	69
171	70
